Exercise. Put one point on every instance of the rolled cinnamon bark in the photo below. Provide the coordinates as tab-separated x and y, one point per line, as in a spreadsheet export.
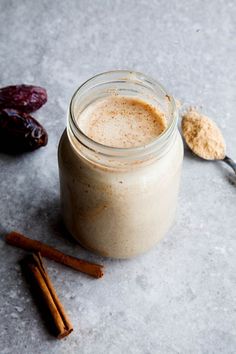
40	281
21	241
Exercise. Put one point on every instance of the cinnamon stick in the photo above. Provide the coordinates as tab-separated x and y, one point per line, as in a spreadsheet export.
21	241
46	293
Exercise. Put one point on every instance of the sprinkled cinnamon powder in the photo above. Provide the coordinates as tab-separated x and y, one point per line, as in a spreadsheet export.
122	121
203	136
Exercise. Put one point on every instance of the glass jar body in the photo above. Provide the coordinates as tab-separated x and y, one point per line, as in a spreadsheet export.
119	213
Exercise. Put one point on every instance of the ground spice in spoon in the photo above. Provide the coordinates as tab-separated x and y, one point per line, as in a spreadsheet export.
203	136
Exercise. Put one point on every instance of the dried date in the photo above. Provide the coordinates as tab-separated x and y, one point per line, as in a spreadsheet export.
25	98
20	132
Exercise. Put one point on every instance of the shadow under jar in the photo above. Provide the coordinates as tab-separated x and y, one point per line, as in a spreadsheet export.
119	201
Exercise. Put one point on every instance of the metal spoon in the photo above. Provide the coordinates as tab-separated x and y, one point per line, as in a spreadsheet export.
230	162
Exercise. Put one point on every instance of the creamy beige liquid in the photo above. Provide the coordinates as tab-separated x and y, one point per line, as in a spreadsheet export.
122	122
112	211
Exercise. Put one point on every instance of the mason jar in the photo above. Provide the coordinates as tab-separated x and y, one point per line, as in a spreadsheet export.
119	202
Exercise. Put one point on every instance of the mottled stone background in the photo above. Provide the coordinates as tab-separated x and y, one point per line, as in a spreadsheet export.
181	296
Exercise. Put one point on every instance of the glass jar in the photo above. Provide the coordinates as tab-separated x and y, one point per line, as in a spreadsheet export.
119	202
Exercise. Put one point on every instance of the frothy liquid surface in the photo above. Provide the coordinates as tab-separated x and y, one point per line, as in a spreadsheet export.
122	122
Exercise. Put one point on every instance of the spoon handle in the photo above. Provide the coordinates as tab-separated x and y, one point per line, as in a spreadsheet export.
230	162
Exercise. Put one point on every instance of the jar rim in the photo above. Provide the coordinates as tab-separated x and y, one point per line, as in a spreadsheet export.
122	151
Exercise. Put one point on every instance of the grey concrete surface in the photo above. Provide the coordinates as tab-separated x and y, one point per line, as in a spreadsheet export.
181	296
